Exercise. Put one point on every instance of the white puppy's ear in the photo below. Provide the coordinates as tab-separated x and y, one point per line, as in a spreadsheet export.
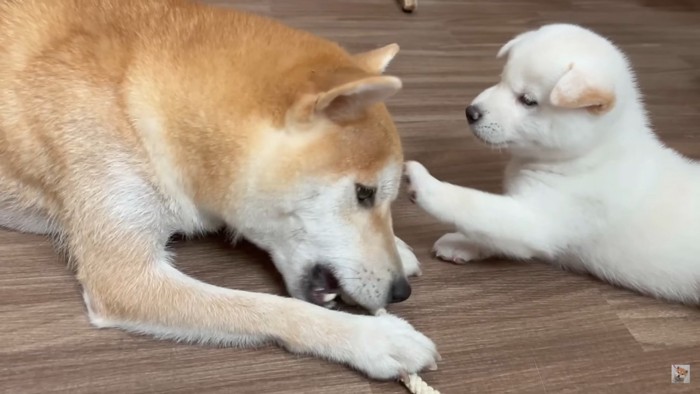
377	60
350	99
505	49
581	89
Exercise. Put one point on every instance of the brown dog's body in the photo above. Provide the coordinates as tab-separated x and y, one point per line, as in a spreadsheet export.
124	121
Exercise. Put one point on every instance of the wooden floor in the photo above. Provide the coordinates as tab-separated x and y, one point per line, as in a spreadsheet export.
501	327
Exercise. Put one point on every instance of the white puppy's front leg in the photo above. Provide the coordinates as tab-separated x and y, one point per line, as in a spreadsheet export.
456	248
492	222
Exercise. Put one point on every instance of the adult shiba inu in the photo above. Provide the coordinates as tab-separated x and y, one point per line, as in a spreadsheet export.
589	185
125	121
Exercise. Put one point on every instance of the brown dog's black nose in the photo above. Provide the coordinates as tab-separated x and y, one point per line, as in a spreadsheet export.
473	114
400	290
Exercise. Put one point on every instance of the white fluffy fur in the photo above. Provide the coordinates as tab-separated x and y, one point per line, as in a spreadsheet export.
589	185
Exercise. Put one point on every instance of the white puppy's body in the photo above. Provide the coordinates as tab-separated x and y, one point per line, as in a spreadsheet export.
589	186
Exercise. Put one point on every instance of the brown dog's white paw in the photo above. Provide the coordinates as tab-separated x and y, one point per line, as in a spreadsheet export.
386	347
411	265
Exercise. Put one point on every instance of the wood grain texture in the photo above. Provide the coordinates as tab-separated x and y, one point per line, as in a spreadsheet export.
502	327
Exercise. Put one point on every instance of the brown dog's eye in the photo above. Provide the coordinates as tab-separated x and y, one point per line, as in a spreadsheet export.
365	195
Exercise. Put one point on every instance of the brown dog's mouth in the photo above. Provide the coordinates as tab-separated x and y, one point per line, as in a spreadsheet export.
322	286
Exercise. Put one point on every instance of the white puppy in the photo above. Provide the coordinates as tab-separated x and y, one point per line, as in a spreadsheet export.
589	185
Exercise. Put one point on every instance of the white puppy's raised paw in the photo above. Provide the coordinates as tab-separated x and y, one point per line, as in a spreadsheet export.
422	187
456	248
387	347
411	265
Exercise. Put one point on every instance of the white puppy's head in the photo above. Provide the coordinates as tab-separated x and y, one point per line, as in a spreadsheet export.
561	86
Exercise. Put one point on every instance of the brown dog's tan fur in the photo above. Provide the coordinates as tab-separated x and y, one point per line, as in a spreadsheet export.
113	112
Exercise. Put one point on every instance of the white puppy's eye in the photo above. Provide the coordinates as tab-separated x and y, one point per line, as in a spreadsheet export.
365	195
527	100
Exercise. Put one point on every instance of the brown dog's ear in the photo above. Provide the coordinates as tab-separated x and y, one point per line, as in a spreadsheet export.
350	99
377	60
578	89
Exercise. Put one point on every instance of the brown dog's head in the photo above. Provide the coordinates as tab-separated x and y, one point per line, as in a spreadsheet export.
283	136
319	185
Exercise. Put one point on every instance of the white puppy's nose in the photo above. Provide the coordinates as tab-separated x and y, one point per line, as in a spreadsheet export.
473	114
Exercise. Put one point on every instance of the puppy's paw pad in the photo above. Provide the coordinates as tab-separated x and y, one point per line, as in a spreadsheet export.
455	248
419	182
453	259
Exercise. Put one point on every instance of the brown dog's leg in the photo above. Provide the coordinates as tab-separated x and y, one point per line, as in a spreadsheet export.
128	282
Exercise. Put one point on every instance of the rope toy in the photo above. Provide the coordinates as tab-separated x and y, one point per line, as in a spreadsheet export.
413	382
409	5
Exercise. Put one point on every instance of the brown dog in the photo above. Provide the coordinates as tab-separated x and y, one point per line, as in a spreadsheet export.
125	121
